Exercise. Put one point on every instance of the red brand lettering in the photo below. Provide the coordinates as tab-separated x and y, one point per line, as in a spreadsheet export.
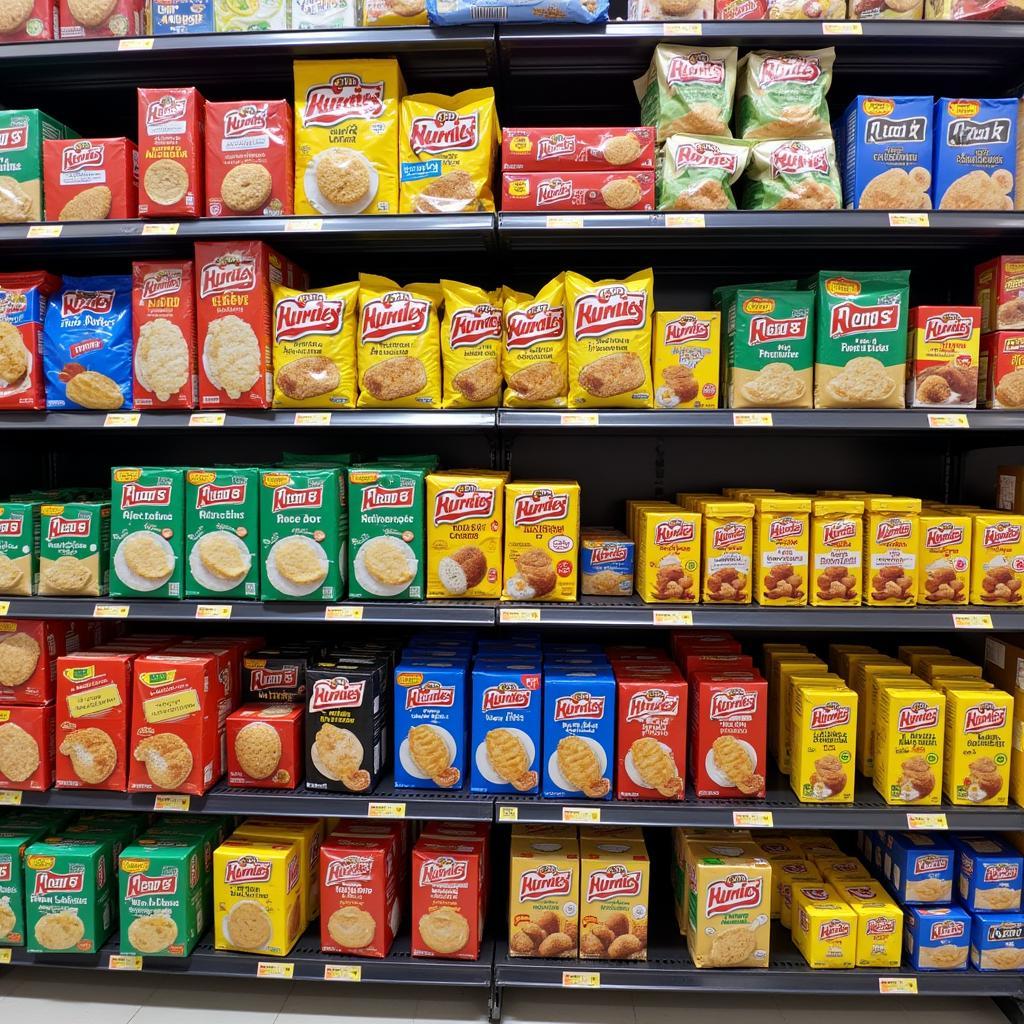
653	703
349	869
430	695
13	138
287	498
554	190
545	881
230	273
614	308
766	330
841	529
344	98
165	110
505	695
466	501
247	869
339	692
788	69
784	529
613	881
444	871
542	322
799	158
732	893
833	929
311	313
579	705
80	156
848	318
133	495
12	527
695	67
829	716
539	507
946	930
376	496
443	132
59	527
553	146
161	282
704	154
252	119
392	316
930	862
151	885
52	881
469	327
948	327
728	535
879	925
687	328
213	494
608	553
943	535
261	679
674	531
918	716
1001	533
75	302
983	717
732	703
893	529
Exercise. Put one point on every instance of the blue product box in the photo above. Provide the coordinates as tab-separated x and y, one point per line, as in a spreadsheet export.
502	648
990	872
430	698
573	649
975	154
179	17
505	697
997	942
475	12
436	654
919	867
579	705
576	661
937	938
611	553
888	136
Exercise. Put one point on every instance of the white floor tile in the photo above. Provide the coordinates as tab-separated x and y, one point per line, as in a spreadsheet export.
554	1006
337	1003
59	996
710	1008
213	1001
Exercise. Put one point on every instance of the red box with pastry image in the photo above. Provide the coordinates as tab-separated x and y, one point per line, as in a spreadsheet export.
93	702
90	179
1001	370
593	191
170	123
100	19
265	746
26	748
32	21
650	741
581	149
28	666
23	301
999	290
447	899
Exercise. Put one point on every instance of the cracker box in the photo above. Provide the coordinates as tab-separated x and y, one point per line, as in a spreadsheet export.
93	703
997	942
668	555
614	912
944	559
728	551
891	544
162	896
937	938
346	715
359	883
555	149
346	136
19	548
787	872
975	153
824	927
728	723
69	899
26	747
178	17
990	874
606	562
170	153
544	892
909	744
781	549
265	746
685	360
999	291
257	896
23	302
586	191
303	527
249	159
15	836
542	523
22	134
505	727
979	724
919	867
90	179
28	652
824	744
840	870
430	725
119	19
147	532
997	559
651	737
163	336
307	835
942	369
579	733
1001	370
887	153
386	532
465	512
879	922
275	675
836	550
447	899
74	548
261	16
32	22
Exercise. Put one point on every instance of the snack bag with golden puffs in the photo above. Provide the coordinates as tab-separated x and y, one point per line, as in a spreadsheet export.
783	95
610	341
398	358
315	347
535	359
471	344
446	152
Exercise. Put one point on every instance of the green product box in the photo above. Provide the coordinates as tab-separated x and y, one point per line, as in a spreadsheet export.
301	535
118	834
74	548
162	896
13	842
22	133
386	531
19	548
69	903
147	532
222	533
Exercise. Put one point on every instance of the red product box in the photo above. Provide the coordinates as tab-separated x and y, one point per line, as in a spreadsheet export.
447	900
999	291
40	22
23	302
170	152
650	743
580	149
595	191
715	662
26	748
174	738
1001	370
348	828
265	746
249	159
633	651
163	336
124	18
29	649
647	670
741	10
473	832
90	179
94	692
728	726
359	905
233	311
702	643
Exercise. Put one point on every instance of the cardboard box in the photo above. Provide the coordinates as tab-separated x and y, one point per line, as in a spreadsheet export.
108	169
170	153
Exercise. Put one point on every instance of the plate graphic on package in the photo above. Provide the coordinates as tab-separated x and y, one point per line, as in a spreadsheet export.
133	579
560	781
320	202
483	762
724	780
405	756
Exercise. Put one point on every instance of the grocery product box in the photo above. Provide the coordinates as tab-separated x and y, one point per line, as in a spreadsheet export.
979	727
28	668
824	927
1001	370
606	562
265	746
74	548
544	893
909	744
170	132
937	938
919	867
542	523
178	17
997	942
591	149
579	733
583	191
651	737
990	874
824	743
686	356
999	292
505	727
91	179
28	739
614	911
359	894
944	344
23	302
447	899
975	154
430	724
22	136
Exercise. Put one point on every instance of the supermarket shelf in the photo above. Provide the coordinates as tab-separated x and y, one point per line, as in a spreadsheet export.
425	805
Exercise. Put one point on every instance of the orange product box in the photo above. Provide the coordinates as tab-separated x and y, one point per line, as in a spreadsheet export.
447	900
90	179
543	893
170	152
123	18
650	740
37	24
942	370
596	191
614	904
728	726
29	649
23	301
249	159
163	336
359	902
999	291
26	734
265	746
93	700
591	149
174	739
1001	370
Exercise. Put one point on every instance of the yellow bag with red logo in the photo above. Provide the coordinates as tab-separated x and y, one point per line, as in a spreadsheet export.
534	362
471	343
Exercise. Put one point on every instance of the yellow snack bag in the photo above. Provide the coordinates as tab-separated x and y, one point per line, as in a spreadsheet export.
685	360
315	347
535	359
471	346
610	341
447	152
399	355
346	136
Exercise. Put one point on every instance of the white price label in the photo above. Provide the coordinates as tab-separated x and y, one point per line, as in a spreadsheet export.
581	815
206	419
312	419
752	819
145	43
564	222
581	979
684	220
927	822
45	230
124	962
343	613
513	615
752	419
304	224
948	420
897	986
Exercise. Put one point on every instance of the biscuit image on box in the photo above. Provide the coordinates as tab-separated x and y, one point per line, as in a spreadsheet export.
246	188
351	927
509	758
897	189
617	373
162	358
92	204
63	930
15	204
11	574
144	561
444	930
308	377
92	390
14	14
580	767
68	575
7	918
247	925
167	759
863	381
14	357
732	760
431	751
231	355
980	190
258	749
385	565
454	192
340	181
219	560
165	182
91	13
539	382
19	656
774	384
152	933
536	575
19	753
92	753
297	565
337	754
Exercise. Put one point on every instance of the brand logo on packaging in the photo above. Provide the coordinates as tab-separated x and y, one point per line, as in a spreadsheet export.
261	679
687	328
967	132
949	326
13	138
929	862
393	316
799	158
464	501
614	881
349	869
376	496
674	531
339	692
889	530
983	717
784	528
829	716
74	302
728	535
861	892
59	526
732	893
1008	932
473	325
505	695
53	881
345	97
839	530
579	705
151	885
252	119
1001	872
287	498
880	925
607	553
732	703
160	283
231	272
541	322
848	318
11	527
918	715
540	506
613	308
430	694
766	330
445	131
247	869
217	494
943	535
834	929
81	155
553	190
165	110
553	146
547	880
444	871
881	130
310	313
133	495
695	67
653	703
704	154
774	70
946	930
1001	533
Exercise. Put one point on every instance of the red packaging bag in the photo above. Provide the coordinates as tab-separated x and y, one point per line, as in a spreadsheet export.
650	740
112	18
594	191
728	728
265	746
28	660
170	152
359	909
26	748
90	179
579	149
447	900
23	302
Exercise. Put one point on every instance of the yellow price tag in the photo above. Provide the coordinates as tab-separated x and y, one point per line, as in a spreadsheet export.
564	222
269	969
304	224
135	44
383	809
167	228
842	28
5	955
908	220
508	813
206	419
581	815
343	613
929	822
122	419
683	28
46	230
124	962
947	420
971	621
581	979
5	607
684	220
110	611
752	819
752	419
664	617
213	611
580	419
519	615
340	972
897	986
10	797
312	419
171	802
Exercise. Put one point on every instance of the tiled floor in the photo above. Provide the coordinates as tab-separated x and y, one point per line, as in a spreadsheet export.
53	996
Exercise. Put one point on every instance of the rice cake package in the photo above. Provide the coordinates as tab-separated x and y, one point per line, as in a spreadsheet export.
535	361
23	302
697	173
471	346
975	153
170	152
783	95
74	548
164	336
19	548
793	175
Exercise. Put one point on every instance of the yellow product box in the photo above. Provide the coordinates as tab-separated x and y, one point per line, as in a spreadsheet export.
1017	762
836	558
891	541
776	847
346	136
257	896
979	738
736	841
668	555
824	744
866	760
531	830
838	654
307	835
855	659
543	895
879	923
997	562
614	911
815	845
690	499
785	874
944	559
944	683
465	513
790	684
949	668
784	668
864	685
635	506
781	549
840	870
542	541
686	360
824	928
906	651
728	551
769	652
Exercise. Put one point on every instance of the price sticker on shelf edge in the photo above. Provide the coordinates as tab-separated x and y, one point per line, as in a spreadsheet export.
171	802
927	822
213	611
969	620
342	972
10	797
908	220
564	222
684	220
5	607
122	419
752	819
580	419
5	955
508	813
385	809
312	419
304	224
948	421
145	43
46	230
268	969
513	615
897	986
160	228
683	28
581	815
110	611
581	979
842	28
124	962
669	617
343	613
206	419
752	419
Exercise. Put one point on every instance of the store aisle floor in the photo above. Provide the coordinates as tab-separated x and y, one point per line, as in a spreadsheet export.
60	997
